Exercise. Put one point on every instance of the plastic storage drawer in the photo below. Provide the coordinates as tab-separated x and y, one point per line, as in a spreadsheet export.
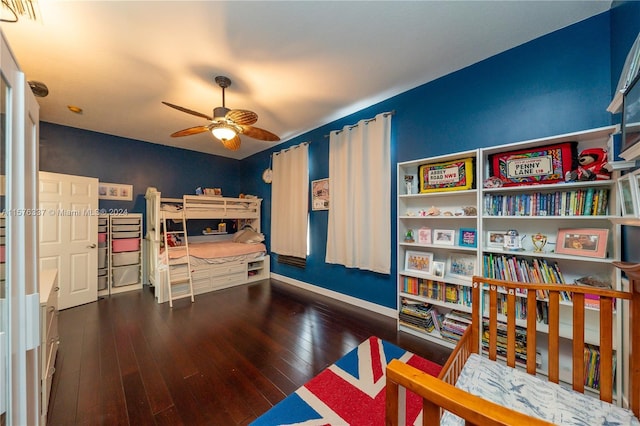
125	244
126	275
121	228
126	258
125	234
125	221
102	258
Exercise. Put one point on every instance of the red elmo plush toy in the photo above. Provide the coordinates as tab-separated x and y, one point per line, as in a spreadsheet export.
592	166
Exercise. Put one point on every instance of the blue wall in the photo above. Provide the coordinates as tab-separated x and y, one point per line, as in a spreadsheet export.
556	84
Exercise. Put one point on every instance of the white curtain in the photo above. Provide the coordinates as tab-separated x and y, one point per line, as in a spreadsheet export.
359	229
289	201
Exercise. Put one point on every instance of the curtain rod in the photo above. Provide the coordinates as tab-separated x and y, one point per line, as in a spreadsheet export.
392	112
291	147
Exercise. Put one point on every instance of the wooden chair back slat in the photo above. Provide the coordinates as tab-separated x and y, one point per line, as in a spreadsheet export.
578	342
511	329
606	348
554	335
532	307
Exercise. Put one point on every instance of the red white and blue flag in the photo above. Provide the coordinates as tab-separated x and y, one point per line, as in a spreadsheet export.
349	392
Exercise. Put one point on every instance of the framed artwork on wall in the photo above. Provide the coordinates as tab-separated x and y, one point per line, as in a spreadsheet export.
115	191
320	194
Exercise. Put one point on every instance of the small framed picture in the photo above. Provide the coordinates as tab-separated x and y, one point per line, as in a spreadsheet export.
424	236
468	237
418	261
444	237
461	265
115	191
438	269
320	194
590	242
495	239
628	196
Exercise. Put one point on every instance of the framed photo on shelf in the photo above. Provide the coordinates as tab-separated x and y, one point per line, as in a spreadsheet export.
424	236
438	269
445	237
628	196
468	237
418	261
495	239
589	242
461	265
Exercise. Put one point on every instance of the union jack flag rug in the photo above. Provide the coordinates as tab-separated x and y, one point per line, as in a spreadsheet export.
349	392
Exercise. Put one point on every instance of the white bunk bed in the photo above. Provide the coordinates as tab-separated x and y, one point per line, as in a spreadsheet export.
232	263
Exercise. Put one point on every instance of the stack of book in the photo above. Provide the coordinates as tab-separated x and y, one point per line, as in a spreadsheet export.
501	345
417	315
454	325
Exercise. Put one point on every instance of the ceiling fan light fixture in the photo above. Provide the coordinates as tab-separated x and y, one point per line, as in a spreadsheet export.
223	132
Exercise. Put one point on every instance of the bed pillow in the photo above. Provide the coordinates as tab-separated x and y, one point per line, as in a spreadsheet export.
248	236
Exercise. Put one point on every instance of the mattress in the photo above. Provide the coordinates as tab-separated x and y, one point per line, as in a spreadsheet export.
534	396
216	252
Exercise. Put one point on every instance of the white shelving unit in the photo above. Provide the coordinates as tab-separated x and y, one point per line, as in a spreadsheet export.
458	210
572	266
119	253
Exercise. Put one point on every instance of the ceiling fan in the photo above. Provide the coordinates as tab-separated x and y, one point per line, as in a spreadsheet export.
226	125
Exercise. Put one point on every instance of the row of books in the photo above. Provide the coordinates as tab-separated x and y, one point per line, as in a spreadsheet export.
579	202
512	268
436	290
501	340
592	366
520	306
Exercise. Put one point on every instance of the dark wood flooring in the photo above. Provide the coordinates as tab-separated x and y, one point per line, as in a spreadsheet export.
223	360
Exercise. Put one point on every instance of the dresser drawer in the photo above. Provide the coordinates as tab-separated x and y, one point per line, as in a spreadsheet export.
228	280
228	270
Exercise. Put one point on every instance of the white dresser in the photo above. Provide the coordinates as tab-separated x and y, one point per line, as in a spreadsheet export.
48	335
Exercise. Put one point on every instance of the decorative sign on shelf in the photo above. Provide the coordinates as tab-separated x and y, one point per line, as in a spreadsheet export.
448	176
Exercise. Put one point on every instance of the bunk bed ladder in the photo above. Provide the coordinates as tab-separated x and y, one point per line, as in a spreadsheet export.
177	235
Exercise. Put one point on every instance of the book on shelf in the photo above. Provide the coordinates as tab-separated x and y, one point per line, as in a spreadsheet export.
576	202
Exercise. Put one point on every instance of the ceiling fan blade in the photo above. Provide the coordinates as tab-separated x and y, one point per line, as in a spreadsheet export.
242	117
190	131
232	144
258	133
188	111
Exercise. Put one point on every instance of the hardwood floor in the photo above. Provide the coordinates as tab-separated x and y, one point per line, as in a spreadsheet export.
223	360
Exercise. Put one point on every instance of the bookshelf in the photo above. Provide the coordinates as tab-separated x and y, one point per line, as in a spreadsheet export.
539	213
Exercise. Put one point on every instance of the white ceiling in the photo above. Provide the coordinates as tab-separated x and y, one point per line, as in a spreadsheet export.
297	64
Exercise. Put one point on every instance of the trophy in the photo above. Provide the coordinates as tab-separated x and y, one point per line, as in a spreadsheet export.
539	241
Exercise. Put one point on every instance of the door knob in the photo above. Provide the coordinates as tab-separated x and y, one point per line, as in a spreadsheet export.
92	246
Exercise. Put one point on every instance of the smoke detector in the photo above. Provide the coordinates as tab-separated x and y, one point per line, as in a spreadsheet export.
38	88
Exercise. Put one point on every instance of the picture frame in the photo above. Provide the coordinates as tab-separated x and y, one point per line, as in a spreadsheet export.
445	237
628	195
453	175
438	269
495	239
424	236
461	265
635	185
468	237
418	261
588	242
320	194
115	191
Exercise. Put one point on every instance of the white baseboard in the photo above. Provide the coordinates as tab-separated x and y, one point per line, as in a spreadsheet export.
379	309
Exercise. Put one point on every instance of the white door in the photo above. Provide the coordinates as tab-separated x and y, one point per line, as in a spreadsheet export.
69	235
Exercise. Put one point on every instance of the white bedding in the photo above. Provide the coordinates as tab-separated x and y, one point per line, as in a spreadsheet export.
534	396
